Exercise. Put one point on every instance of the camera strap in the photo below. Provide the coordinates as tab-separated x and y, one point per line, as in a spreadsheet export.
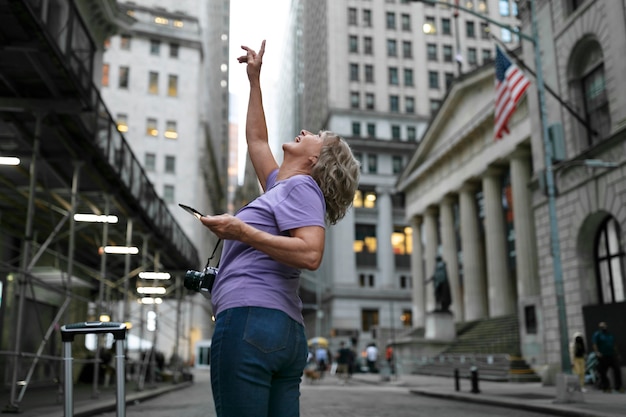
208	262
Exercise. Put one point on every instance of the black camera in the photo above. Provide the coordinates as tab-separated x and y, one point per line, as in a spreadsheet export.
201	281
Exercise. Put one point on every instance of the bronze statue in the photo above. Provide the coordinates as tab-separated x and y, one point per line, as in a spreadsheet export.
443	297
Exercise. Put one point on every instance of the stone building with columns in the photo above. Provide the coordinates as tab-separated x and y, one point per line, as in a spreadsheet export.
468	200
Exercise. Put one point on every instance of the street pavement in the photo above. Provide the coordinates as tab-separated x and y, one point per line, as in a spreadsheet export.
518	397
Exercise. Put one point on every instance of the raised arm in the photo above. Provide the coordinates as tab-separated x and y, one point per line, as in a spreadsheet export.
256	127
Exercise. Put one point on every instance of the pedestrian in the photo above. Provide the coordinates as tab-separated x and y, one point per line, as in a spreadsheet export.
321	357
259	347
344	359
578	355
371	355
389	357
608	356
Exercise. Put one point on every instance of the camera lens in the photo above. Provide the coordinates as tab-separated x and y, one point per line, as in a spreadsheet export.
193	279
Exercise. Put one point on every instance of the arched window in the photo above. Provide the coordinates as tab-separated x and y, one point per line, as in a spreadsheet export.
609	263
589	93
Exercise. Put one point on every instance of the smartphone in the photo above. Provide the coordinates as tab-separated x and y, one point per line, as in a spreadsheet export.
192	211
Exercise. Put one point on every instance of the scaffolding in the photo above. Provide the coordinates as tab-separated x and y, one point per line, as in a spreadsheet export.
72	160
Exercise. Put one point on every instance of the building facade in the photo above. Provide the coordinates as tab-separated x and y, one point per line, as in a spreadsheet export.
376	72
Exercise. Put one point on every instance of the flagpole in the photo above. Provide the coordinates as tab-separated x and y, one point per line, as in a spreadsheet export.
555	245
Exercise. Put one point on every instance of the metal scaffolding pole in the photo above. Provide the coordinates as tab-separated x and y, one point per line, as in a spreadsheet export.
23	275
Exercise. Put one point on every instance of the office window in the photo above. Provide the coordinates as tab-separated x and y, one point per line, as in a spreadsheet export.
366	199
391	20
359	157
447	53
367	17
105	75
155	47
431	52
122	122
395	132
504	7
393	76
411	133
506	35
430	27
168	194
151	127
486	55
609	259
370	102
433	80
406	22
369	73
449	77
470	29
125	42
369	319
407	315
150	162
392	47
371	130
407	49
366	280
372	163
354	72
355	100
353	44
396	164
368	45
174	47
446	27
394	105
172	85
356	129
484	30
434	106
472	56
170	164
409	104
408	77
124	74
171	131
153	82
352	18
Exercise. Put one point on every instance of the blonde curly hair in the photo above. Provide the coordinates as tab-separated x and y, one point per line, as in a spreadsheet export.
337	174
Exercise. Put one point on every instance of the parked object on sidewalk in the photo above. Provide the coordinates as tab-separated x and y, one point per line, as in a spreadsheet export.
68	332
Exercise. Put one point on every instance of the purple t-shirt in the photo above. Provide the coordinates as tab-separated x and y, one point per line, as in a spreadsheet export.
248	277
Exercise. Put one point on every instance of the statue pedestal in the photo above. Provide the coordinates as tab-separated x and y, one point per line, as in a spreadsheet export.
440	326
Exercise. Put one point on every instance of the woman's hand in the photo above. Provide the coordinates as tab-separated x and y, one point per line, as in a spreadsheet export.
254	61
224	226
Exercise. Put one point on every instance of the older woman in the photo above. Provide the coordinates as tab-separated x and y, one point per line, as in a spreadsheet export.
259	347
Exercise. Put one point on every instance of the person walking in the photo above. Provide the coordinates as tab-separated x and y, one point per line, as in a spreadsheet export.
578	355
259	347
608	356
344	359
371	355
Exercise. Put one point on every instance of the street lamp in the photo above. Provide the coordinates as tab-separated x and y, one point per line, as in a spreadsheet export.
549	171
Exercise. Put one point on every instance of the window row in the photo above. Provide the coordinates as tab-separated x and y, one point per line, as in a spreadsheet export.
370	132
125	42
171	131
150	163
123	80
393	74
365	239
391	19
370	102
354	46
370	319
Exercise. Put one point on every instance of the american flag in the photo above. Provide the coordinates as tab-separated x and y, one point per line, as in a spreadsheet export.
511	83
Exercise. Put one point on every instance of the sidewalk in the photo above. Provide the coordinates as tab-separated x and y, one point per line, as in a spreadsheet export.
530	396
48	402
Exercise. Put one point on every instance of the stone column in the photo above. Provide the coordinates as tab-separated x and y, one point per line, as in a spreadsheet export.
430	251
417	272
384	250
450	255
502	298
525	237
474	279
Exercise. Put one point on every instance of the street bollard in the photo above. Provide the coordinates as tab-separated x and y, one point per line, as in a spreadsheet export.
474	377
457	386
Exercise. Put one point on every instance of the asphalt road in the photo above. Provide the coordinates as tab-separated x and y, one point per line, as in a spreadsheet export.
327	398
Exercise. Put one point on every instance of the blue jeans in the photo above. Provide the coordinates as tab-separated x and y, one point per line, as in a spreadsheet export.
257	359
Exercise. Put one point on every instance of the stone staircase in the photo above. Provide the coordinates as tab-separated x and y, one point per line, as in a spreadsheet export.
490	346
